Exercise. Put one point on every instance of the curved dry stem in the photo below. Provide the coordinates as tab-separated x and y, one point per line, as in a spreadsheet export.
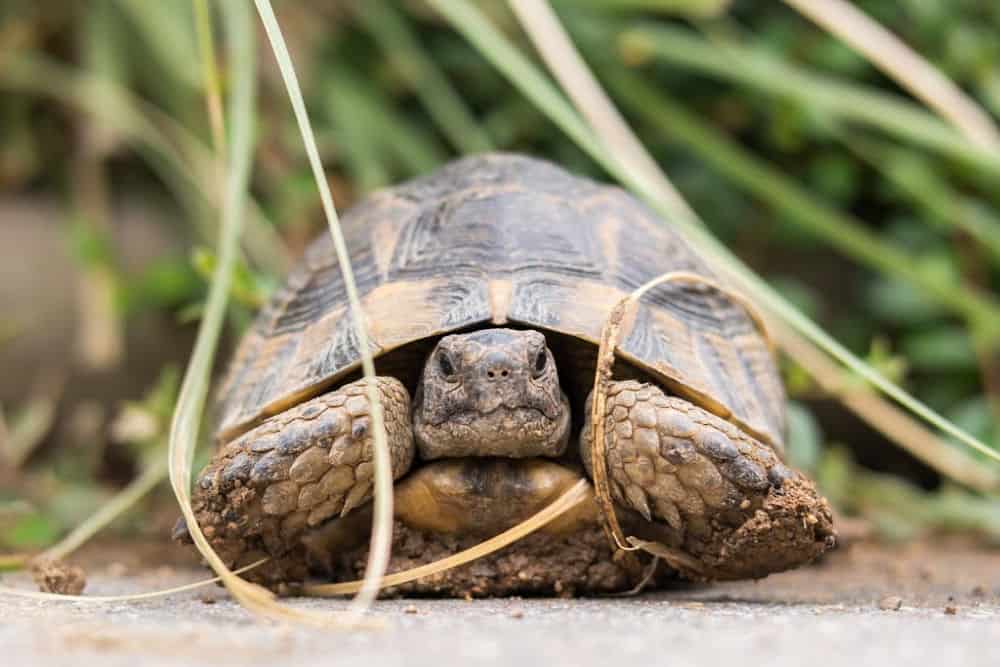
602	378
14	561
381	541
523	75
567	501
194	388
557	50
903	64
598	412
132	597
885	417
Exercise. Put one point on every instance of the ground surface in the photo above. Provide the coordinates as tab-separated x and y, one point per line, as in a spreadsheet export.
825	615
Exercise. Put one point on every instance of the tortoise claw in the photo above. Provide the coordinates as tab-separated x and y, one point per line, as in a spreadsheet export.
264	491
724	497
356	497
180	532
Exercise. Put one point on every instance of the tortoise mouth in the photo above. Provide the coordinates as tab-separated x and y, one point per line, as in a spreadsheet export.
510	432
470	417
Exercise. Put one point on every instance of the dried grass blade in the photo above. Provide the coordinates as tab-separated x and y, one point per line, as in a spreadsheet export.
564	60
567	501
194	388
133	597
381	541
522	74
887	52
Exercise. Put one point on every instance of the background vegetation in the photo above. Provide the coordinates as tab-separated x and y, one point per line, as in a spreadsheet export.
874	217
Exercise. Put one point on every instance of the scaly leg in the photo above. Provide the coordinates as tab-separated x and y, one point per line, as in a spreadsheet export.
265	490
713	492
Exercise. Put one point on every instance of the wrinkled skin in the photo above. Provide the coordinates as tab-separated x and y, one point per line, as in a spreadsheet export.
491	393
488	429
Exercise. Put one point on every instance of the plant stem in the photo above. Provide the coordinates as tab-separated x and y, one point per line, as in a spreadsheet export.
210	75
381	539
467	20
771	185
751	68
900	62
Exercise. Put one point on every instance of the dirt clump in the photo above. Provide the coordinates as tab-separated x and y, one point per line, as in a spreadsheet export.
539	564
56	576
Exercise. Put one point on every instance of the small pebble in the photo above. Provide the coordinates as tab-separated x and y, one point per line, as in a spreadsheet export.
890	603
979	591
951	610
516	613
410	610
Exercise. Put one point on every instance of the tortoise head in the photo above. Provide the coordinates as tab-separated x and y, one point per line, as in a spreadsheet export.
493	392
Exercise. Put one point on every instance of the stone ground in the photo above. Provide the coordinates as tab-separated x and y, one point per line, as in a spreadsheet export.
829	614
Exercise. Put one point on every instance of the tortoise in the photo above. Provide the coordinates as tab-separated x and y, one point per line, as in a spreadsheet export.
486	286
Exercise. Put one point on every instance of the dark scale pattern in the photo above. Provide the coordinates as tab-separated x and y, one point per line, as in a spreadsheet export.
266	489
717	494
427	254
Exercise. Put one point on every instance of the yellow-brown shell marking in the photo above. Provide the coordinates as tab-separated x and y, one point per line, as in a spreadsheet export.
505	238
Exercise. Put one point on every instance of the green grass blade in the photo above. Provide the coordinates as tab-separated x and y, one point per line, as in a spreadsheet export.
151	476
523	74
751	68
164	28
573	75
468	21
690	8
394	134
890	54
210	73
769	184
357	146
918	180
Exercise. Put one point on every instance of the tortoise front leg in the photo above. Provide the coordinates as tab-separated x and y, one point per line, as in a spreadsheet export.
264	491
713	492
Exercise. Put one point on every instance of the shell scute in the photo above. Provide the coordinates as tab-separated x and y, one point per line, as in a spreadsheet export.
505	239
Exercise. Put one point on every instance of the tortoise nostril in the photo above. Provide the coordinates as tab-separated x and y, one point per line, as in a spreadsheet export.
497	366
495	374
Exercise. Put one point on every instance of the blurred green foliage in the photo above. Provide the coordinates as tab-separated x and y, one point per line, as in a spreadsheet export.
861	207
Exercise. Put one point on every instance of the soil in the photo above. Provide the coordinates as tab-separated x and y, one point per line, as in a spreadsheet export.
55	576
947	612
925	574
776	535
539	564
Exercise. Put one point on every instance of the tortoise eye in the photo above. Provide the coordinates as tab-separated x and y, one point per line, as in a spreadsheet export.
540	361
447	368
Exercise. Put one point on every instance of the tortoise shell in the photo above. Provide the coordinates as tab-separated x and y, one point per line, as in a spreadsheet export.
501	239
